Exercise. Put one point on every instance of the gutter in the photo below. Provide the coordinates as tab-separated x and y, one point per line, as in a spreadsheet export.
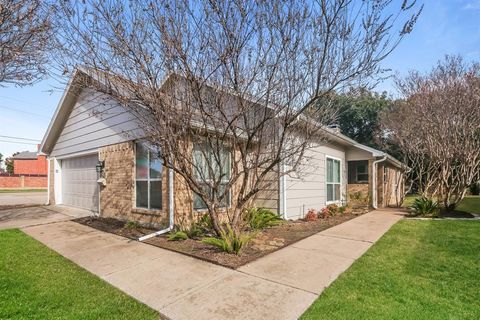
170	209
374	181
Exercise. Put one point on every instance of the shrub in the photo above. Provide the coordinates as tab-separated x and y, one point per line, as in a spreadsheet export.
205	223
475	189
230	241
261	218
324	213
196	229
333	209
132	225
425	207
311	215
178	236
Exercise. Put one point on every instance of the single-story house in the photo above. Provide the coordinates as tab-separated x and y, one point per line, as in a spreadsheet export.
86	136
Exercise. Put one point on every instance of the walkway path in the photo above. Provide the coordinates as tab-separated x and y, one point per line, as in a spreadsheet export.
19	217
281	285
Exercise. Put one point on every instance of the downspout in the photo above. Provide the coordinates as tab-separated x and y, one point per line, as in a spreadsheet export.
170	209
283	193
374	181
48	181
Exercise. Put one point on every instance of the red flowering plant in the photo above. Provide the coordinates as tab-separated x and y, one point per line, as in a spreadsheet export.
311	215
324	213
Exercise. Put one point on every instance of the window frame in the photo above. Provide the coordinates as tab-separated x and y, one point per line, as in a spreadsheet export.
340	175
353	165
148	180
229	195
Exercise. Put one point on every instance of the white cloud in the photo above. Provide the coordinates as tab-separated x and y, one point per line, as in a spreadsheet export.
472	5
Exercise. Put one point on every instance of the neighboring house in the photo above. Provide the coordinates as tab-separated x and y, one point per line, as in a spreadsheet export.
29	171
28	162
85	136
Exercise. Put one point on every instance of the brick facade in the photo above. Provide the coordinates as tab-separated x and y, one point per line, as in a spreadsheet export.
30	166
390	186
117	197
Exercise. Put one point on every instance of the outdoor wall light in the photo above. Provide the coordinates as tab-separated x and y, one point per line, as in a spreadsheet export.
99	167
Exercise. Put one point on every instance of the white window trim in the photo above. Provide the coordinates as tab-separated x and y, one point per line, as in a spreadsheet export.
148	179
229	204
326	181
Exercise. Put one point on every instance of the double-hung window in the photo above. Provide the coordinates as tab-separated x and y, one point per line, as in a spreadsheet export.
333	180
148	177
211	167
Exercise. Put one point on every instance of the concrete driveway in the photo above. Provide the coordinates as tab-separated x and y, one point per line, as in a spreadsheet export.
23	198
281	285
32	216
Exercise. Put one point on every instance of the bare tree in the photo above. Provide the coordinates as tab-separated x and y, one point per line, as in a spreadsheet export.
437	127
240	75
25	30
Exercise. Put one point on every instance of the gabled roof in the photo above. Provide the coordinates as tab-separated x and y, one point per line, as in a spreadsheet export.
62	112
72	90
25	155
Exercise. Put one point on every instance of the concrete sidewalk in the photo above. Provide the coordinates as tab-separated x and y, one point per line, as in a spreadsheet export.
281	285
32	216
23	198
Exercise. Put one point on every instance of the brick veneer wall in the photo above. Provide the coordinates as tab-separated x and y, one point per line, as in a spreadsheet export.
23	181
117	198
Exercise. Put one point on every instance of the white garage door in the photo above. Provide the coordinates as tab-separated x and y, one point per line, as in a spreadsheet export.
79	182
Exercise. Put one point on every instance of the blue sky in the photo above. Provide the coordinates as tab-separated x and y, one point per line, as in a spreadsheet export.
445	27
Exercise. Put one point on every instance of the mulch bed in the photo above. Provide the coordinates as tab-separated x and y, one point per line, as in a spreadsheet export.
445	214
265	242
456	214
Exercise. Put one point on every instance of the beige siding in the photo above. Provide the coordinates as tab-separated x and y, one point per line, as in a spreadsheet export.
353	154
306	188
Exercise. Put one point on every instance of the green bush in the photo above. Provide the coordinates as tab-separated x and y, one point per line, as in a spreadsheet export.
333	209
475	189
425	207
178	236
261	218
132	225
205	223
230	241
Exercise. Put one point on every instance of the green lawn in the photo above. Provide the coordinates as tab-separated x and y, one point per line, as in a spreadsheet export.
418	270
21	190
37	283
470	204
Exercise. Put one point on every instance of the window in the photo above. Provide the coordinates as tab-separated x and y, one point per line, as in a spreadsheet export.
333	180
148	177
358	171
208	170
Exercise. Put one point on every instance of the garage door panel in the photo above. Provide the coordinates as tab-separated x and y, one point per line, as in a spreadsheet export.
79	182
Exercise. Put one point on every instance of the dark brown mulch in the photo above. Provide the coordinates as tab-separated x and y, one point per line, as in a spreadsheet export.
456	214
265	242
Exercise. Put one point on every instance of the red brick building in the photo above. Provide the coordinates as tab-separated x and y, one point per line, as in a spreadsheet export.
29	171
29	163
